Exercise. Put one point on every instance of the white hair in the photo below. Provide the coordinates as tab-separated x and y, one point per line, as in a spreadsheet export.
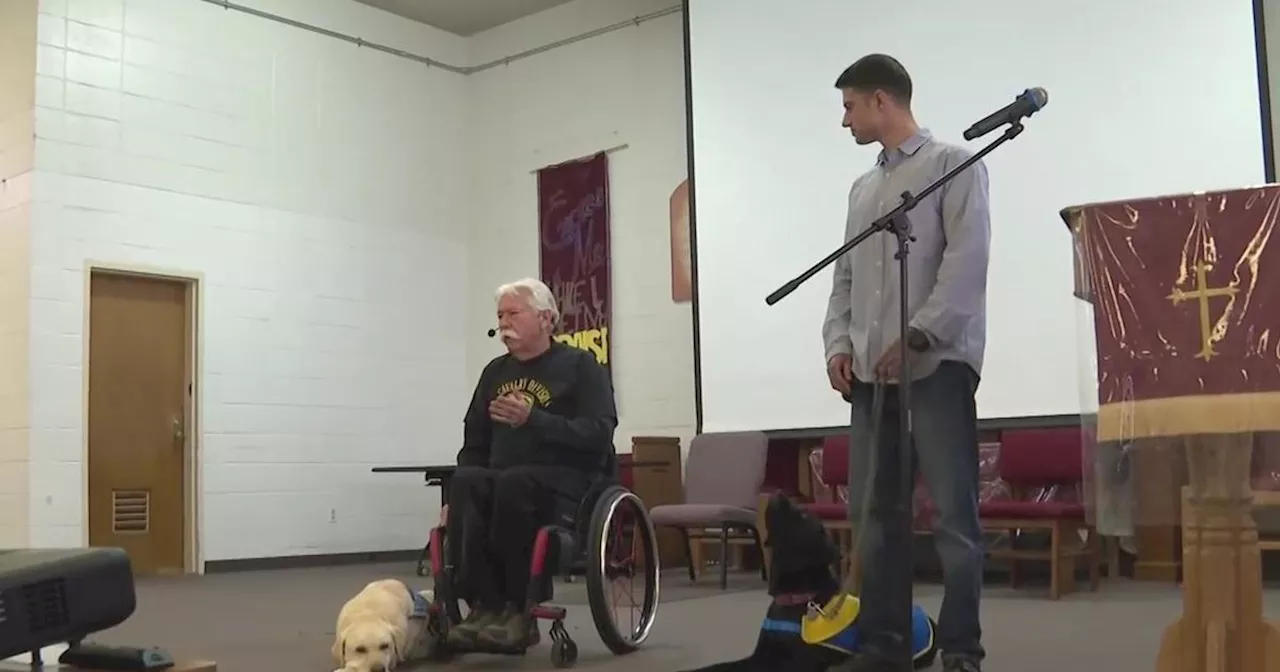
535	292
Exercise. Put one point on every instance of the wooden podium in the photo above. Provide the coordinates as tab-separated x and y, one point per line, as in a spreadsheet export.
1186	310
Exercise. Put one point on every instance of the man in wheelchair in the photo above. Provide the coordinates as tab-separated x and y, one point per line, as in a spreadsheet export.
538	433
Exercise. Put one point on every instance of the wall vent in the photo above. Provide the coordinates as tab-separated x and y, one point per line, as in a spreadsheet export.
130	511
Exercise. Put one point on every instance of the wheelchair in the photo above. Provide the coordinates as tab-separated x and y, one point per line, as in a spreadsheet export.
610	539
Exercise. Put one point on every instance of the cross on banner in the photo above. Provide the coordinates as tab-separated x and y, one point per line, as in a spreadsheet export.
1203	292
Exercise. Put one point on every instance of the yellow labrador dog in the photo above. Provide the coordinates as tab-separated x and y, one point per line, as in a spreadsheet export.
384	625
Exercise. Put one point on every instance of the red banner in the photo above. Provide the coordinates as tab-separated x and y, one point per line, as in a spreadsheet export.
573	234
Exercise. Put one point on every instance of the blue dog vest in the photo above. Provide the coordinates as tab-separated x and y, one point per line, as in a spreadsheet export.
421	605
846	641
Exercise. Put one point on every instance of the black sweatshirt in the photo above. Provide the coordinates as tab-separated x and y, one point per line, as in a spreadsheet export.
571	423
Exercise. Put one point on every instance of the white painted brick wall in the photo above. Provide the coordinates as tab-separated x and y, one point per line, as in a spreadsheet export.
17	144
317	188
624	87
325	193
15	219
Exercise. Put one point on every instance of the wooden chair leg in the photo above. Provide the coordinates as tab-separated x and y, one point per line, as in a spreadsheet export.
1014	578
699	553
1068	567
764	565
834	536
1055	561
691	555
1094	558
762	535
724	557
852	565
846	552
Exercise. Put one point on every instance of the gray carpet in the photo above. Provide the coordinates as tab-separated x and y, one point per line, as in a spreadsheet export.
283	621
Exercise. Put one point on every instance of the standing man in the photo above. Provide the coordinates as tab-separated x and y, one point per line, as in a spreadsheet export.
946	334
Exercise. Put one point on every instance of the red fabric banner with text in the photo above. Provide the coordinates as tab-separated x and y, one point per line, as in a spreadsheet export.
573	234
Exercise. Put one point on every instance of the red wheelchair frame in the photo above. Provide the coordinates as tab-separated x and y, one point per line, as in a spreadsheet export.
569	546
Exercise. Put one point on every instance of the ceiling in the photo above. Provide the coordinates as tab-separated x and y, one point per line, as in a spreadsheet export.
464	17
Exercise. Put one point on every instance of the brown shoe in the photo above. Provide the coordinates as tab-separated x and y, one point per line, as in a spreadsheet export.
513	628
465	633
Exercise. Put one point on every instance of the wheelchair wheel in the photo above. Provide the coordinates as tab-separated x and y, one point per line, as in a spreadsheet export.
442	581
623	556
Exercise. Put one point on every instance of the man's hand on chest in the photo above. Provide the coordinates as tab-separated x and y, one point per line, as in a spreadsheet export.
510	409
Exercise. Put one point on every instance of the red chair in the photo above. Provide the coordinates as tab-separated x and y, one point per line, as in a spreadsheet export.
835	475
833	471
1036	463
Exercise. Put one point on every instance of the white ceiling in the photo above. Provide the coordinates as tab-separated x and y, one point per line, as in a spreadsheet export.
464	17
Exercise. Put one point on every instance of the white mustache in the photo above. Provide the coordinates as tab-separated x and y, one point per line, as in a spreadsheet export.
508	333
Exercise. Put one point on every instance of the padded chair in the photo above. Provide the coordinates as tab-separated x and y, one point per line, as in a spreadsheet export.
1044	460
723	475
833	469
831	462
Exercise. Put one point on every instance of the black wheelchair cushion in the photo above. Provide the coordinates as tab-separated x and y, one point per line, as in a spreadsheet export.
568	542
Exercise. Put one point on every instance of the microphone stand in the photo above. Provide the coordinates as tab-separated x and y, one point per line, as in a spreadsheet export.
898	533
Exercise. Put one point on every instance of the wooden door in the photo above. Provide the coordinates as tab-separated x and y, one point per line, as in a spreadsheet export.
139	340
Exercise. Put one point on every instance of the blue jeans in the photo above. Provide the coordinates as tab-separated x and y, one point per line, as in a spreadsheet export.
944	423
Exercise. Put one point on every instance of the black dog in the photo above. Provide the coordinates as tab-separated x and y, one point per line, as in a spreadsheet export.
801	573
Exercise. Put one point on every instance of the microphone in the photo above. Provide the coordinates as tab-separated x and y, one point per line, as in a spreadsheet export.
493	332
1024	105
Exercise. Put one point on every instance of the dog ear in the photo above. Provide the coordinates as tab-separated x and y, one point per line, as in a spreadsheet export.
399	640
339	649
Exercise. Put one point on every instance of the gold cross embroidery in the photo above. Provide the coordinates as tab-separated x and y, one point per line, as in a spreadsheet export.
1203	292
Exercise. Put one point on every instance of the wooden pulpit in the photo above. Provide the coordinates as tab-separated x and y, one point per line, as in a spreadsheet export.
1185	293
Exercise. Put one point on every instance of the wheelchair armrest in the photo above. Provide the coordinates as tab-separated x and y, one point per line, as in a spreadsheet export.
436	543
